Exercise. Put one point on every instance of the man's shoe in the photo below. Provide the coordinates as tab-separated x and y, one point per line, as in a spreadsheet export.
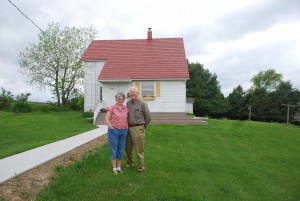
140	170
129	166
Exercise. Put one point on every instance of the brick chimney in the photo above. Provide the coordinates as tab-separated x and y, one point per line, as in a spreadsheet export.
149	34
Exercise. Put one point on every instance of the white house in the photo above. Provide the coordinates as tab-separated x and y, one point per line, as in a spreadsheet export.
157	66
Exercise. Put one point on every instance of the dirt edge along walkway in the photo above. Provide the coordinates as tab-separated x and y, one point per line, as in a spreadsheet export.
26	185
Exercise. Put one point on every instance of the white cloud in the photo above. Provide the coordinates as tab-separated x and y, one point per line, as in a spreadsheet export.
236	61
234	39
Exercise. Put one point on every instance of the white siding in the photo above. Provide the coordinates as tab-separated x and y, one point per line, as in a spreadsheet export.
91	84
189	107
172	97
109	92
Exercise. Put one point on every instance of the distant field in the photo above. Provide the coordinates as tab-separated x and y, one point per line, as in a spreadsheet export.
226	161
21	132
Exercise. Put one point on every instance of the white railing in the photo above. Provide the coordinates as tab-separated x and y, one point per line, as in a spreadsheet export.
98	106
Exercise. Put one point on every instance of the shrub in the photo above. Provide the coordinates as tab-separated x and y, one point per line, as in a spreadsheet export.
76	103
190	114
47	107
6	98
80	103
88	114
23	97
20	107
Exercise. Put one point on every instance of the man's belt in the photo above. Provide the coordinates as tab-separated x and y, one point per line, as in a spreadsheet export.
136	125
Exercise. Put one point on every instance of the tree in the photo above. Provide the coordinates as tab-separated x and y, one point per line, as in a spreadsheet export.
268	94
259	95
206	91
6	97
55	61
23	97
237	102
285	94
268	80
258	99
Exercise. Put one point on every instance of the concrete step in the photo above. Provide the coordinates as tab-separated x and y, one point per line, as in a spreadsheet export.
100	120
179	123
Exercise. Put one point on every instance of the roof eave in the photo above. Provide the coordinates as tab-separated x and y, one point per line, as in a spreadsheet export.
141	79
112	81
162	79
91	60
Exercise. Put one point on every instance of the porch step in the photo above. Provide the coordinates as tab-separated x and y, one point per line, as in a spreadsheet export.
174	118
100	120
162	118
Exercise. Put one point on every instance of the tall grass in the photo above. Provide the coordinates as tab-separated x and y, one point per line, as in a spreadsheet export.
20	132
226	160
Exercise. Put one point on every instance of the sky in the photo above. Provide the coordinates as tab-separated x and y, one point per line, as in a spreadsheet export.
234	39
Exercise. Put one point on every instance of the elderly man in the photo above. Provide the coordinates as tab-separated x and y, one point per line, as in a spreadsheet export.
138	120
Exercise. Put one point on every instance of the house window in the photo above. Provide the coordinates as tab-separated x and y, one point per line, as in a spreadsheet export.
100	93
147	89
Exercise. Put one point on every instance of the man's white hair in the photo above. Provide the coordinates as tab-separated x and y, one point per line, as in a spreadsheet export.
135	89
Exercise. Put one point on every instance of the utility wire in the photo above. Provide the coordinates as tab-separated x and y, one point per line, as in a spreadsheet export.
26	16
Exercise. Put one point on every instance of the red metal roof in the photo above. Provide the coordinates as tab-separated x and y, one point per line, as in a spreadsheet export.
161	58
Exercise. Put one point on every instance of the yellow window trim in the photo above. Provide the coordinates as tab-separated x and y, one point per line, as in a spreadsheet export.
138	86
157	91
148	98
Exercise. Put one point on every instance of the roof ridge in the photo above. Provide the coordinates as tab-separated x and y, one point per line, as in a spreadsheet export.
136	39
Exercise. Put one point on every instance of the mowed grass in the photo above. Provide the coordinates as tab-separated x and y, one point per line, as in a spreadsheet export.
21	132
226	160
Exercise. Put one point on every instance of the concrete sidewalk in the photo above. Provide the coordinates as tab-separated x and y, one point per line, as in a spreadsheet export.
19	163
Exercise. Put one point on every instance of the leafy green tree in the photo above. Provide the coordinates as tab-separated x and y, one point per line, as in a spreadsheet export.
54	62
268	80
284	94
268	106
297	113
23	97
266	98
206	91
258	99
237	103
6	97
261	96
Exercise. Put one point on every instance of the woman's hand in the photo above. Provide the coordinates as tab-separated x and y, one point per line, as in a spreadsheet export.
107	120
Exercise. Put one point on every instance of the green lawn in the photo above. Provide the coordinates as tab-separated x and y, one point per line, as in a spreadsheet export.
21	132
226	160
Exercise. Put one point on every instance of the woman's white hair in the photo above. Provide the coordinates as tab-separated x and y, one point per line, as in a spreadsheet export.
120	95
133	89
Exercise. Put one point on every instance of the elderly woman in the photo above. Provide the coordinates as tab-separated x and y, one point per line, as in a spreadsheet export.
117	122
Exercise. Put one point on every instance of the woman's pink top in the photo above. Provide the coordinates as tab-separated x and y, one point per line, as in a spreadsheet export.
119	117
